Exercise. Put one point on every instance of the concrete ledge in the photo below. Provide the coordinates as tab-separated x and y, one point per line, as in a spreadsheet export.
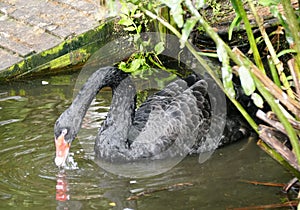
71	52
45	36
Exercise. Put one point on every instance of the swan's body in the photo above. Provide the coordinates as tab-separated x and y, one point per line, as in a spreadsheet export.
174	117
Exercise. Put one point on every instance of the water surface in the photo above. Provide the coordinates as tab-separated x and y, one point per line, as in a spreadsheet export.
29	177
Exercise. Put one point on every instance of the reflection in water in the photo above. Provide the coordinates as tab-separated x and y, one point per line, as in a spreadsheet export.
62	187
30	179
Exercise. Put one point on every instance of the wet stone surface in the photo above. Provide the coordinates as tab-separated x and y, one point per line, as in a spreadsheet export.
7	59
33	26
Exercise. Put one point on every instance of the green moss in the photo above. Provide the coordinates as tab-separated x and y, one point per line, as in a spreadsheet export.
70	52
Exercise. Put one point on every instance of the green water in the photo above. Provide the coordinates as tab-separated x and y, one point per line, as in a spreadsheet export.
29	177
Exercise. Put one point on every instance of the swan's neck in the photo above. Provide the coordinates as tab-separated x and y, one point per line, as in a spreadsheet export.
73	116
113	135
122	105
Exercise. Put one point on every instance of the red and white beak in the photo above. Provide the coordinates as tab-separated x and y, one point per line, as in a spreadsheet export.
62	149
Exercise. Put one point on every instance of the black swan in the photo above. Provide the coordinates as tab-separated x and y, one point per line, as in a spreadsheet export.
177	117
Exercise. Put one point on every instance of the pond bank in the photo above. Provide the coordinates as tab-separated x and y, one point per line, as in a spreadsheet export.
39	36
45	37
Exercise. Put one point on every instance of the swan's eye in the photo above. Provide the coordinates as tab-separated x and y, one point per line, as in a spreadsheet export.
64	131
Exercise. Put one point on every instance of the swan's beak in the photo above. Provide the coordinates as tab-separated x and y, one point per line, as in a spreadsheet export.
62	149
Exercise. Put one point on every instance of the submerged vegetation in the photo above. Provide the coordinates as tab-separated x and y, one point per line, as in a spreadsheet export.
274	88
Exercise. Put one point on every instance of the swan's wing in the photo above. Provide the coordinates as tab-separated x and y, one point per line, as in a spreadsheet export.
173	89
173	124
161	98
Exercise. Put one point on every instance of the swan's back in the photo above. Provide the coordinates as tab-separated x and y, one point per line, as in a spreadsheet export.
170	121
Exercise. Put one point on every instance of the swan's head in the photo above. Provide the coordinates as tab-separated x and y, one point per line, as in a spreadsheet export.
62	145
68	124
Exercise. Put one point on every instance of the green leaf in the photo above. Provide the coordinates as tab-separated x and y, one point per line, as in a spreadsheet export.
111	7
122	65
135	64
289	78
139	29
175	10
257	100
283	52
146	43
199	4
187	28
133	9
235	5
226	69
130	28
125	21
235	23
136	38
177	15
124	9
268	3
227	80
221	52
246	80
159	48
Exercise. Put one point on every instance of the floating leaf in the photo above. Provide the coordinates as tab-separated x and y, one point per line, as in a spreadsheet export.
257	100
246	80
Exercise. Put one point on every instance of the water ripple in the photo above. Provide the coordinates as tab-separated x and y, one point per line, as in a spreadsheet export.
5	122
3	93
30	179
16	98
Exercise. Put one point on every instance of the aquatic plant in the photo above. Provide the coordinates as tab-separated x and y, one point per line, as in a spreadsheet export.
280	90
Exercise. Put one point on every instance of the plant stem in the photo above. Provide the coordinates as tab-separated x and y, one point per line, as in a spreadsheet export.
250	35
278	157
259	79
203	63
291	132
274	72
293	25
272	51
275	108
291	104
